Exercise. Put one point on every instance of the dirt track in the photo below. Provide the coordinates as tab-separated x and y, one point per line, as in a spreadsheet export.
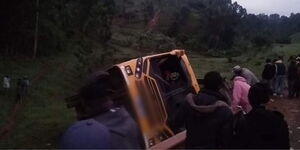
291	110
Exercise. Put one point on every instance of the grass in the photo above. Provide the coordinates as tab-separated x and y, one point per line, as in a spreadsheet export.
44	116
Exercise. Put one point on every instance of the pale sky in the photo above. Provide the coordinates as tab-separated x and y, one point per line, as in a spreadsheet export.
282	7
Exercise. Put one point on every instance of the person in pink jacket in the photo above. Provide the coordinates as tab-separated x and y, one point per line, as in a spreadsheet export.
240	95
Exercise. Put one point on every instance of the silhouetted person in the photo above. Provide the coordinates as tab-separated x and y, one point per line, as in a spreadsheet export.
19	90
6	84
206	116
25	84
269	73
102	124
262	128
292	77
297	82
22	88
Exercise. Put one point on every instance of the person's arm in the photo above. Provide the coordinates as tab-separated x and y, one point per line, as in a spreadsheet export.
210	108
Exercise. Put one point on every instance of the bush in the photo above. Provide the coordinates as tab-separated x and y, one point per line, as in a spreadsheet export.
284	40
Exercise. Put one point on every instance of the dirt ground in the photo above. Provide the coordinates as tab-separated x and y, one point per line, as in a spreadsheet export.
291	110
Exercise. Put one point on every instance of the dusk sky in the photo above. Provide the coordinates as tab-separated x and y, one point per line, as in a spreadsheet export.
282	7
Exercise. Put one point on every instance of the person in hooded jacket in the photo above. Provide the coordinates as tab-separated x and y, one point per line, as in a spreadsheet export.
206	116
261	128
240	94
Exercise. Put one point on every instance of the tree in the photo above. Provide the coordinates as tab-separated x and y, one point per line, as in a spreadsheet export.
36	33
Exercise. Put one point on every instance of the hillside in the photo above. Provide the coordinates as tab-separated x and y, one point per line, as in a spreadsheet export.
295	38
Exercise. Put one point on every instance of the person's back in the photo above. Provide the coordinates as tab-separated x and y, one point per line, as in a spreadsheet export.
240	95
280	68
210	129
249	76
123	129
292	70
86	134
264	129
94	101
261	128
206	116
269	72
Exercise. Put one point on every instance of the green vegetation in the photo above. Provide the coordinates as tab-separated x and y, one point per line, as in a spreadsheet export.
44	116
295	38
255	61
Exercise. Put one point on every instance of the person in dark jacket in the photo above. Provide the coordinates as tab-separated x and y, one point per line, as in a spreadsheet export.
207	117
268	73
297	82
95	107
280	77
262	128
292	76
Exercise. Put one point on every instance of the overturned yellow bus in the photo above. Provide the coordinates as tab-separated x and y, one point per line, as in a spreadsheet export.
152	88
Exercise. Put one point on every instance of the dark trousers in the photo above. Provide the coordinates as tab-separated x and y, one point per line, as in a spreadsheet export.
269	83
297	87
279	84
291	87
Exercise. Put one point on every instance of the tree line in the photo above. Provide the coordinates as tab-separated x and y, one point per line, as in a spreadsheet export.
36	28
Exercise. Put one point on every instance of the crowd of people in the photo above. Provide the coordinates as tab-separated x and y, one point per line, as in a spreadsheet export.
279	77
212	119
246	123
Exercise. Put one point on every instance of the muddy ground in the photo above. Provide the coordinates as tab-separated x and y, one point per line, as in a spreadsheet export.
291	110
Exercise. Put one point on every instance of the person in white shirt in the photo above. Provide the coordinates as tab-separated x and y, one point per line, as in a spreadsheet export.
6	82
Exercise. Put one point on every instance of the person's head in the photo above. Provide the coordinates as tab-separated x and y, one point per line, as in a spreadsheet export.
25	77
237	70
268	60
274	60
298	58
213	81
291	58
293	62
259	94
280	57
95	96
